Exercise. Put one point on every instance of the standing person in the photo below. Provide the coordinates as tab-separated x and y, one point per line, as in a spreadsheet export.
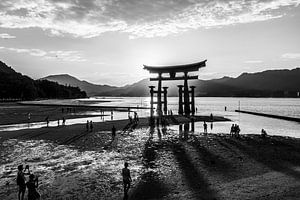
232	130
32	184
63	121
126	180
21	181
29	117
205	127
263	133
58	123
238	130
87	125
113	132
47	121
91	126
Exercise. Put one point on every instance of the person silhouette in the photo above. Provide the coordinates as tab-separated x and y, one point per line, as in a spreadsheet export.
91	126
32	184
126	180
87	125
63	121
205	127
21	180
47	121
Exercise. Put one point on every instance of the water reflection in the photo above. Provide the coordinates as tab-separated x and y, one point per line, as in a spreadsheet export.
54	123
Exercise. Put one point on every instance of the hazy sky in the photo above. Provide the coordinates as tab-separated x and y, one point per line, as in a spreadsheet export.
107	41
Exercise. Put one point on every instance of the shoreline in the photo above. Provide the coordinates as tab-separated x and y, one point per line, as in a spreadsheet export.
212	166
166	162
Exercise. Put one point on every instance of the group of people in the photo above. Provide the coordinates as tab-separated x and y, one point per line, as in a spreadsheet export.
135	118
205	126
32	184
63	121
58	121
89	126
235	130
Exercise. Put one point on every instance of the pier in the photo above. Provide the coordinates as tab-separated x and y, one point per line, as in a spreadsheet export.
294	119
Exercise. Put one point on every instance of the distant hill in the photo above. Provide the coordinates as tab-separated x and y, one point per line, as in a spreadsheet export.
270	83
89	88
285	80
14	85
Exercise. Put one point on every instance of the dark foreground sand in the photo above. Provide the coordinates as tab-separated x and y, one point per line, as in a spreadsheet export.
165	164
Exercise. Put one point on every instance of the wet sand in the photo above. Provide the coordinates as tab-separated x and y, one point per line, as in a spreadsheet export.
14	113
73	163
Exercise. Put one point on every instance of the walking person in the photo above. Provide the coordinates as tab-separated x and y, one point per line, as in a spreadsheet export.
47	121
32	184
91	126
126	180
205	127
21	181
58	123
29	117
63	121
232	130
87	125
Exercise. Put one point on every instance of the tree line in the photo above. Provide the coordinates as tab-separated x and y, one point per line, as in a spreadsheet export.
14	85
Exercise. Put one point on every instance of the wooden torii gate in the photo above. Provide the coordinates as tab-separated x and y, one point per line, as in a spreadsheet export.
185	105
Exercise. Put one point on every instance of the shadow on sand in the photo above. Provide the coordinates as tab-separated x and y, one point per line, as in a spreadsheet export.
150	185
196	181
270	153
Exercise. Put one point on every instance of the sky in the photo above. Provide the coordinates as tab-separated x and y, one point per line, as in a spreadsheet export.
108	41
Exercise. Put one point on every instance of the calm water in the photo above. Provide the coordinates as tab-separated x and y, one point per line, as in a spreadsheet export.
249	124
60	166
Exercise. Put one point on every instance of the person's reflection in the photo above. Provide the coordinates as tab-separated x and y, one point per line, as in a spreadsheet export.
193	125
180	131
158	133
151	131
186	127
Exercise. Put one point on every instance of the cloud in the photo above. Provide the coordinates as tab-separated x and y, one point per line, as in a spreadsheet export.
253	61
138	18
68	56
291	56
6	36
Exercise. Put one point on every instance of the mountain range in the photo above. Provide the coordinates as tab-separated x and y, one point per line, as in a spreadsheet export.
90	88
16	86
270	83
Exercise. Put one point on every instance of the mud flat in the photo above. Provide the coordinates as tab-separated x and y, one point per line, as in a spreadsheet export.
73	163
14	113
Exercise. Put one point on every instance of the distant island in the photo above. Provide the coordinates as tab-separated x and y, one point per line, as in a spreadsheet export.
271	83
15	86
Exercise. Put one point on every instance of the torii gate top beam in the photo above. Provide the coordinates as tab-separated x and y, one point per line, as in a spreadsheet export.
176	68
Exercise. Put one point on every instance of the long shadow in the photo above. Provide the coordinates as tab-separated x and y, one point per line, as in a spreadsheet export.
196	181
211	160
275	157
150	185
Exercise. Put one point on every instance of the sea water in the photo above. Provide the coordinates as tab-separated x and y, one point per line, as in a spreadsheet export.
249	124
